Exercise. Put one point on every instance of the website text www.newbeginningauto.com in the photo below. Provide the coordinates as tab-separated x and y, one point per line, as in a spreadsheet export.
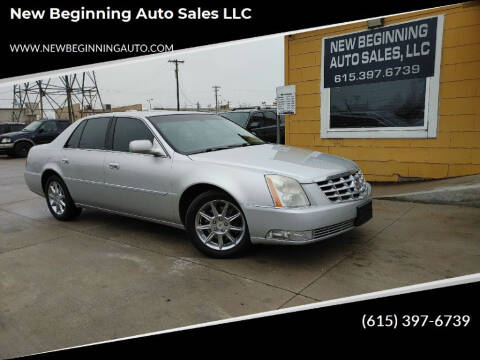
90	48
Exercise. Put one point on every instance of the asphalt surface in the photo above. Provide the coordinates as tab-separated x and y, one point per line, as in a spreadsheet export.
105	276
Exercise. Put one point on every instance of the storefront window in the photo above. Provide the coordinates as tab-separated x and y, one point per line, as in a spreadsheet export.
398	103
382	82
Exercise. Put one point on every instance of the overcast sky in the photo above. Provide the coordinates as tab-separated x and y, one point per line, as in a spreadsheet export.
247	74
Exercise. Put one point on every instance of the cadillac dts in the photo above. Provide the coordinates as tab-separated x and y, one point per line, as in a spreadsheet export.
200	172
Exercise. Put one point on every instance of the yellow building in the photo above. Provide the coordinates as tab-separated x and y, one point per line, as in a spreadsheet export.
411	126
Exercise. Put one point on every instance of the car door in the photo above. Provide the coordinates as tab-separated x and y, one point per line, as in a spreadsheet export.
136	183
46	132
82	161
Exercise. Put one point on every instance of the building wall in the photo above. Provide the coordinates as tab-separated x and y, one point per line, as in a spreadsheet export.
455	151
6	116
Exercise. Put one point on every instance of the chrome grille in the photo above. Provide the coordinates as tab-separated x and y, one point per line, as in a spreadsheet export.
332	229
344	187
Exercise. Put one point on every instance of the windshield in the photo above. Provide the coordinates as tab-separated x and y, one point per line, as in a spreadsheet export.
239	118
33	126
195	133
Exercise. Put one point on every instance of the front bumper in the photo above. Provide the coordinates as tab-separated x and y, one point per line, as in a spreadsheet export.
324	221
6	148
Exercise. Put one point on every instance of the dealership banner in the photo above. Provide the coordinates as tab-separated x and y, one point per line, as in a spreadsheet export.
403	51
47	36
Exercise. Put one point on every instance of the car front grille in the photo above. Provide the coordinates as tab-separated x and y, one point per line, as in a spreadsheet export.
344	187
332	229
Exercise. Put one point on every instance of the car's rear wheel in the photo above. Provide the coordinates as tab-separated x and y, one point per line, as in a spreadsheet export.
59	201
217	225
21	149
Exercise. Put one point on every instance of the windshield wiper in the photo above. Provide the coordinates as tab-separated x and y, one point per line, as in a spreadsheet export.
215	148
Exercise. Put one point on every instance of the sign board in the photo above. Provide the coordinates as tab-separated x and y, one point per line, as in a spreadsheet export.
397	52
286	103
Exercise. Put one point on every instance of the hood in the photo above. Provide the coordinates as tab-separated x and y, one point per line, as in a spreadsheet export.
303	165
15	134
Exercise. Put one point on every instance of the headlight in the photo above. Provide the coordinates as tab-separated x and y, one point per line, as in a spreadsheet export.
286	192
6	140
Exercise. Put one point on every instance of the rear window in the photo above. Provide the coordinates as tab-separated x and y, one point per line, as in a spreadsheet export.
75	137
93	136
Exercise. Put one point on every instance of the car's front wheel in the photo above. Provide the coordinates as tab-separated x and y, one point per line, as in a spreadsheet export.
21	149
217	225
59	201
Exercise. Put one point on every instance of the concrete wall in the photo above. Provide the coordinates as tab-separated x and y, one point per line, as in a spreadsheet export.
456	150
6	116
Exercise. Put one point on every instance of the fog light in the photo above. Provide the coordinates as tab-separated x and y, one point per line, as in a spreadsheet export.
291	235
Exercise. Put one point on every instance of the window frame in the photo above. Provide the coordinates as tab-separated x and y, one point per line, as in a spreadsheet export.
110	119
81	125
111	135
430	127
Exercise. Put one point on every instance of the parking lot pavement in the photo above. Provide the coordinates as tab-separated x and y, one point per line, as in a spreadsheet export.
104	276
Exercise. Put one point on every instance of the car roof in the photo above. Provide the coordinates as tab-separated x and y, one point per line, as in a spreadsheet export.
12	123
134	113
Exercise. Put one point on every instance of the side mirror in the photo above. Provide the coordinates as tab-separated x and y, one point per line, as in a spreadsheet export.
146	147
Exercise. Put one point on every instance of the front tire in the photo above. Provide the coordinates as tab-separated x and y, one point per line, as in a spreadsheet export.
21	149
59	201
217	226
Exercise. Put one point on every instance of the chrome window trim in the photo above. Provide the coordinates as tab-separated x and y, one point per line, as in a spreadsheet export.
145	121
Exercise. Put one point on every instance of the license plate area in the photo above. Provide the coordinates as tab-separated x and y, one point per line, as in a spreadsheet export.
364	213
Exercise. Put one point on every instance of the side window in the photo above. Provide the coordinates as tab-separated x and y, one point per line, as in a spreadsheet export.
75	137
256	120
270	118
49	126
93	136
62	125
129	129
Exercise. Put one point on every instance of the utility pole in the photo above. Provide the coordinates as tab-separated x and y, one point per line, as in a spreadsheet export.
149	103
176	77
215	89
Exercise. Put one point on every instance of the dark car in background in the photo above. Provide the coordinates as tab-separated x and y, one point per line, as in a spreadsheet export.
7	127
261	122
18	143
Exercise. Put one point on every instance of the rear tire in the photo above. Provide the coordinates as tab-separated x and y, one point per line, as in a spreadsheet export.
21	149
217	226
59	201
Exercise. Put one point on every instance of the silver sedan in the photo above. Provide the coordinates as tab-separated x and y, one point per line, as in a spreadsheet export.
199	172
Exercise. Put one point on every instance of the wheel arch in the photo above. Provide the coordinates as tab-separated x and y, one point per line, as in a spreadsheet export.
24	140
46	174
193	191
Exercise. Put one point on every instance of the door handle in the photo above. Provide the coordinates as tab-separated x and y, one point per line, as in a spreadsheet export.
114	166
65	161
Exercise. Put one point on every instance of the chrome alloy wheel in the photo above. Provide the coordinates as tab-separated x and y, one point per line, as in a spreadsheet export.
56	197
220	224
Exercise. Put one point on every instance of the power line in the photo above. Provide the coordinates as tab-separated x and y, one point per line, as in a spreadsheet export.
176	61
